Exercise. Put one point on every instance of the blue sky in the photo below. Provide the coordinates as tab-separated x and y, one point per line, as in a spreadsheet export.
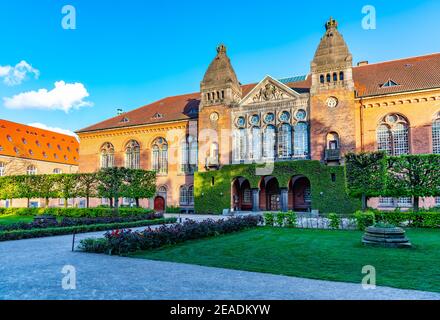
125	54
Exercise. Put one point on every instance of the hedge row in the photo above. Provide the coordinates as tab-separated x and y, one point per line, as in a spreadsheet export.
125	241
74	212
38	233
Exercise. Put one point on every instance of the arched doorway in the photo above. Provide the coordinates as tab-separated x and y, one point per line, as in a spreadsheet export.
300	194
270	194
159	204
241	195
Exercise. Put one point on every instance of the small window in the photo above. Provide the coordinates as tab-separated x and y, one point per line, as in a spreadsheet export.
329	77
389	83
335	77
24	141
322	78
9	138
341	76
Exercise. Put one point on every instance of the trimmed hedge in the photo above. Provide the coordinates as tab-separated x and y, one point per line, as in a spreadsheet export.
410	219
121	242
39	233
75	212
212	191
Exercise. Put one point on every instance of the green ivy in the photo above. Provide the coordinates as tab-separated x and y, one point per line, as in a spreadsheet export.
212	191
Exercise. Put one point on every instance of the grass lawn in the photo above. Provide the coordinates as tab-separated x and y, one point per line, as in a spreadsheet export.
315	254
12	218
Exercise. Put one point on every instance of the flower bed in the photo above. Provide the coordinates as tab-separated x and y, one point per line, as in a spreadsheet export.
47	232
71	222
121	242
75	212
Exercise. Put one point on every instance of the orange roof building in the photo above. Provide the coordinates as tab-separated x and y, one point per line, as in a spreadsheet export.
339	107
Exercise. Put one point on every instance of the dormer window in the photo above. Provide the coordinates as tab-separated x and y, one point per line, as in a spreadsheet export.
125	120
390	83
158	116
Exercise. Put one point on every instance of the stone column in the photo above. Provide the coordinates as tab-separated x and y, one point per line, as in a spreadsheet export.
255	200
284	199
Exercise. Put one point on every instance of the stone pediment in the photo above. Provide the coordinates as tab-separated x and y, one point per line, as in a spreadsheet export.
269	90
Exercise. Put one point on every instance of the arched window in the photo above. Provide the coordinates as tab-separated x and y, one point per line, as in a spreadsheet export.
160	156
269	142
333	141
213	150
31	170
301	140
321	78
132	155
240	141
184	196
285	141
329	77
57	171
107	156
2	169
162	190
256	143
188	155
341	76
392	135
335	77
436	136
191	195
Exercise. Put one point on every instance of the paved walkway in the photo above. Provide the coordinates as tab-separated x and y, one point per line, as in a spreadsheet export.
31	269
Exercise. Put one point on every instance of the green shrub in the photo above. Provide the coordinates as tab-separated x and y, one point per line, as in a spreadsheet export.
335	220
269	219
411	219
75	212
279	219
364	219
172	209
291	219
38	233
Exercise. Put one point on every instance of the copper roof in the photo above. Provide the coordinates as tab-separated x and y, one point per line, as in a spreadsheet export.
410	74
22	141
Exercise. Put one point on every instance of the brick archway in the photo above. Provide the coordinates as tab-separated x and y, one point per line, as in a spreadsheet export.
300	194
241	195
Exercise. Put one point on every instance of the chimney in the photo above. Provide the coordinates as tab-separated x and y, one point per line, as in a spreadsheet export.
362	63
119	112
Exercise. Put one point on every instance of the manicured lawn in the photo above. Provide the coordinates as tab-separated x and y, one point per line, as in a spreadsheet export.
11	218
315	254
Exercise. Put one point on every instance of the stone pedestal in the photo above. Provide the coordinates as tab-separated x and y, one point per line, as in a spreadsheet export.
386	237
284	199
255	200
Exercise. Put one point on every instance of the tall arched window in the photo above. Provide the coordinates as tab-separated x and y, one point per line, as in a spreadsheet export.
301	140
2	169
184	196
256	143
285	141
332	141
269	142
107	156
392	135
240	144
436	136
191	195
160	156
133	155
31	170
341	76
322	78
188	155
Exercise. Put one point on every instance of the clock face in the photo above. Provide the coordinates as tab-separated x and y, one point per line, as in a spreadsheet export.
214	116
332	102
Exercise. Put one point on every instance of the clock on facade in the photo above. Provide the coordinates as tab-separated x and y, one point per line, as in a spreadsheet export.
214	116
332	102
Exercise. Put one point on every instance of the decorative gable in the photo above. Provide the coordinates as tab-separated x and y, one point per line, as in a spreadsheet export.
269	89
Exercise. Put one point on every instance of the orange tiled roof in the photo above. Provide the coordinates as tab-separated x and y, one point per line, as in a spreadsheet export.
19	140
410	74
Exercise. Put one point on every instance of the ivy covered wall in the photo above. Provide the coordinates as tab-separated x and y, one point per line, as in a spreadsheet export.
212	190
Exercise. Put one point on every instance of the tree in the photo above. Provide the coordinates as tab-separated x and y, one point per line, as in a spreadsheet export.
414	176
67	186
140	184
9	188
111	184
25	188
366	175
87	186
45	187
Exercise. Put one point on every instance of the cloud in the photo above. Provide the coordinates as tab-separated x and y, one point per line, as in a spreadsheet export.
13	76
54	129
65	96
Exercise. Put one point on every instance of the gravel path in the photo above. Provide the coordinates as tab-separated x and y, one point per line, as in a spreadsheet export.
31	269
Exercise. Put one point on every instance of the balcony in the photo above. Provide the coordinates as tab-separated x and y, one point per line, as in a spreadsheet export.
212	163
332	154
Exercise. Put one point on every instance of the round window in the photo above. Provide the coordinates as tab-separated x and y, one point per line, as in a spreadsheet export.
255	119
301	115
269	118
285	116
241	121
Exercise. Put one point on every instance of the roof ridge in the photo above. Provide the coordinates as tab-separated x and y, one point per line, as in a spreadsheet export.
400	59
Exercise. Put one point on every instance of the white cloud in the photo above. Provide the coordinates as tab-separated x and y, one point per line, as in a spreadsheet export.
13	76
65	96
54	129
